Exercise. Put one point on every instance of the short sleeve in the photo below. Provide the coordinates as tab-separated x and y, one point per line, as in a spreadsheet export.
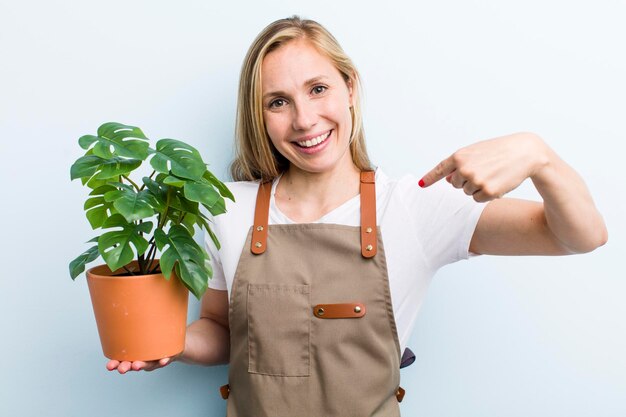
218	281
444	220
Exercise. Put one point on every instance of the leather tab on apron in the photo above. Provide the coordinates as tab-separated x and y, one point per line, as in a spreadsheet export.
259	229
225	391
368	214
400	394
339	311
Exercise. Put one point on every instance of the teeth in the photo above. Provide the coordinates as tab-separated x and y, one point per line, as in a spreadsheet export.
314	141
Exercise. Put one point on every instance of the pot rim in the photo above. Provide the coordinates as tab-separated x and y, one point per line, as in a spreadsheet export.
103	271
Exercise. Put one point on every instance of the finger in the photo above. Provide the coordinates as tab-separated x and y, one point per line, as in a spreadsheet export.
482	197
138	365
112	365
152	365
457	180
442	170
470	188
123	367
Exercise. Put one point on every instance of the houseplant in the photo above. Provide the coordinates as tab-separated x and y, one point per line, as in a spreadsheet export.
137	220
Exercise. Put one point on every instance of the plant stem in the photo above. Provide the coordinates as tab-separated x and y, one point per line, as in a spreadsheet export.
150	177
167	207
132	182
151	254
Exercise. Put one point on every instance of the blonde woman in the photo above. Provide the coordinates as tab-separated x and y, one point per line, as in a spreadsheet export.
325	260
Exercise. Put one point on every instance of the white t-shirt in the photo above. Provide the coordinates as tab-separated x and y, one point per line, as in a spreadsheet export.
422	230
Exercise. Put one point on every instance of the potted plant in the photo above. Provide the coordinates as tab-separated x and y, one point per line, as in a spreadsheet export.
139	300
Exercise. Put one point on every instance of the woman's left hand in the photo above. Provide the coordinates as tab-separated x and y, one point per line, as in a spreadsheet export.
489	169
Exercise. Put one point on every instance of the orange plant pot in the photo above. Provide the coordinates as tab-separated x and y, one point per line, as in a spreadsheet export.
141	317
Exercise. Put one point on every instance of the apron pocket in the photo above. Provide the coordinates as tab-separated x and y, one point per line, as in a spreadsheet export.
279	323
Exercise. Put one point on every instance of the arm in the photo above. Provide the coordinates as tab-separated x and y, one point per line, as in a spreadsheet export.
567	221
207	341
208	338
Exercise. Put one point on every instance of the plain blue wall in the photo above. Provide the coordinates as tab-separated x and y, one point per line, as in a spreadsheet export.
496	336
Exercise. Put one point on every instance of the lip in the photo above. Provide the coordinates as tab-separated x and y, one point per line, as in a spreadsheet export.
303	138
317	148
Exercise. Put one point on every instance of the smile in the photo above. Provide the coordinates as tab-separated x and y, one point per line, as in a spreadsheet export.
314	141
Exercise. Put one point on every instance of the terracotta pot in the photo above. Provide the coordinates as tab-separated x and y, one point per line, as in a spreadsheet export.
141	317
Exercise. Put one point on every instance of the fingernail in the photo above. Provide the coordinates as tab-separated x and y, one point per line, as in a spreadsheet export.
421	183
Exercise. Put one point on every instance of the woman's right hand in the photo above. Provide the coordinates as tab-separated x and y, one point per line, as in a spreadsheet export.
125	366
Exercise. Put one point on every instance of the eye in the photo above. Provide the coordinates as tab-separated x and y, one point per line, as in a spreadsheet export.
319	89
279	102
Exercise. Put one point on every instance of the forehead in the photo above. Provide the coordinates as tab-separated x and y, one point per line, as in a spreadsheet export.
293	63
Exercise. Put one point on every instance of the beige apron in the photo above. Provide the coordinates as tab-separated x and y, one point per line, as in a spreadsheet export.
312	332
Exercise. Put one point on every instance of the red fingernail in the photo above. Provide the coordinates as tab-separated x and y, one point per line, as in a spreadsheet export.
421	183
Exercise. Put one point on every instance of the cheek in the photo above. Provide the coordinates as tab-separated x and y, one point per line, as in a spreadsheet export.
274	128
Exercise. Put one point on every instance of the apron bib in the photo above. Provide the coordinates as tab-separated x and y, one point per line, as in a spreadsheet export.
312	332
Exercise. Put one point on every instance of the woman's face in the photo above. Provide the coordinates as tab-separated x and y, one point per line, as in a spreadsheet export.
306	107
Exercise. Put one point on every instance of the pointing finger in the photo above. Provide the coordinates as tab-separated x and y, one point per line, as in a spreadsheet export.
442	170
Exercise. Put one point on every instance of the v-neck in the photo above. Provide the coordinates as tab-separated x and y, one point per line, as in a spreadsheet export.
284	219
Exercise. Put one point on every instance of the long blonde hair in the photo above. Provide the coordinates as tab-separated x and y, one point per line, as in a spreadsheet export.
255	155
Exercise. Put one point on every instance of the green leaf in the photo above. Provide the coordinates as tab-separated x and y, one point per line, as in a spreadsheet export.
213	236
115	245
174	181
181	159
202	193
117	166
132	205
189	221
188	257
77	266
85	166
97	208
92	166
218	208
224	191
93	183
116	139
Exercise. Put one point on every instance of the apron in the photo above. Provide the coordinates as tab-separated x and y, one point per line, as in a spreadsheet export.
312	331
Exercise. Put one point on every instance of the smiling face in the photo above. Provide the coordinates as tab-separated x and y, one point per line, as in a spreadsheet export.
306	108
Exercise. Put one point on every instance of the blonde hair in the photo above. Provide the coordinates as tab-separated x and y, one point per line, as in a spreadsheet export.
255	155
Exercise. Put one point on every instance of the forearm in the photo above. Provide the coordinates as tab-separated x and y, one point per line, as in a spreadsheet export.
207	343
570	212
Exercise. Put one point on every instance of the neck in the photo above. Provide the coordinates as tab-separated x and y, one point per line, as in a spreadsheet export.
305	196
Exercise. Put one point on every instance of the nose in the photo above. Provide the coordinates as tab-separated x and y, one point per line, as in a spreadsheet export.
305	115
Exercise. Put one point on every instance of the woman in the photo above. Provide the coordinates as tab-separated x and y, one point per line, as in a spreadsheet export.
320	306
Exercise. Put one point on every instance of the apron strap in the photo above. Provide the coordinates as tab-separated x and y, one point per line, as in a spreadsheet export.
261	215
368	216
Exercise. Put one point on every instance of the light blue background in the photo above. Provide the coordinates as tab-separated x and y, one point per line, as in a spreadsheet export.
496	336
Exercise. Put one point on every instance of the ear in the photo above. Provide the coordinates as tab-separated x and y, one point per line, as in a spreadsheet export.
350	92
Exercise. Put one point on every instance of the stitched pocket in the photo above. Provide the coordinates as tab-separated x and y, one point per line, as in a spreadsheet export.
279	323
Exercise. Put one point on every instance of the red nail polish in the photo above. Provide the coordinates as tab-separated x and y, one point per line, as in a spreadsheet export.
421	183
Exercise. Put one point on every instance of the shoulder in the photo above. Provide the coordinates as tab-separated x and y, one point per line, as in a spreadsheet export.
439	201
244	193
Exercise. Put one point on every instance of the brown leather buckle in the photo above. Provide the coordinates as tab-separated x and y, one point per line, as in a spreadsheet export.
225	391
339	311
400	394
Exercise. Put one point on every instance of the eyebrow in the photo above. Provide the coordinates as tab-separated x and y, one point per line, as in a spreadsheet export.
308	82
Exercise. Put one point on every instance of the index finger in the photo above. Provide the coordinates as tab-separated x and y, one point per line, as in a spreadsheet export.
442	170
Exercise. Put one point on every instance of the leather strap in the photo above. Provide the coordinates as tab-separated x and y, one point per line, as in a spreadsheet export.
339	311
368	214
400	394
225	391
261	214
